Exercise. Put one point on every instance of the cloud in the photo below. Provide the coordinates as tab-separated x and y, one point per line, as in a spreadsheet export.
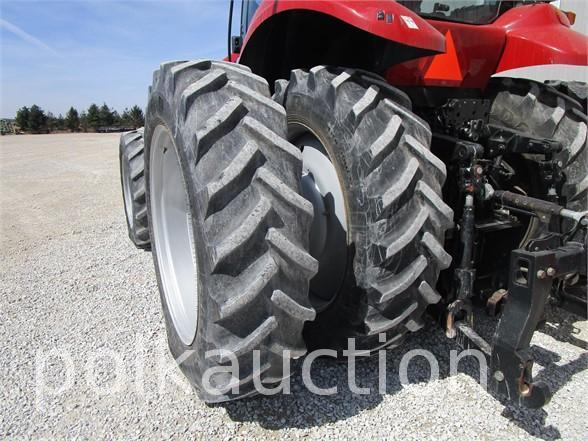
25	36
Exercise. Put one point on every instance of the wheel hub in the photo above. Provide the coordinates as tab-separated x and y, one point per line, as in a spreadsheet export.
328	235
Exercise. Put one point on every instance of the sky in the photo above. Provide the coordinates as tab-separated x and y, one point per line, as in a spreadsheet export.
58	54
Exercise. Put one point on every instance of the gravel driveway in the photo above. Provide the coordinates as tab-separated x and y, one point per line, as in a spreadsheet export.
84	351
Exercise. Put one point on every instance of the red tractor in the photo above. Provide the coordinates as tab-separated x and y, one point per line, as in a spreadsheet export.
353	165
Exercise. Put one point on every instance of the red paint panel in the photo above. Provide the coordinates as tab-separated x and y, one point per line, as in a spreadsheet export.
478	49
406	27
233	59
538	35
524	36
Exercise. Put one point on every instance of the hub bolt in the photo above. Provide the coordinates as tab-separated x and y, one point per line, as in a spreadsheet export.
541	274
498	376
551	272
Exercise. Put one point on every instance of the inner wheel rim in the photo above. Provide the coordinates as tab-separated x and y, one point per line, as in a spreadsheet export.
172	235
328	237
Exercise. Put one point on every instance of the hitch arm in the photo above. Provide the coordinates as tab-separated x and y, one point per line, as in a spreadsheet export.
543	209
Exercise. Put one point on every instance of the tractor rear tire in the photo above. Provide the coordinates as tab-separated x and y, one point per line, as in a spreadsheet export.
577	90
230	252
542	111
395	217
132	179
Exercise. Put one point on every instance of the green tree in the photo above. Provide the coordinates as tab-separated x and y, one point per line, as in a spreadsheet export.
84	121
137	119
22	118
93	116
125	118
72	120
60	122
116	119
51	123
37	119
106	116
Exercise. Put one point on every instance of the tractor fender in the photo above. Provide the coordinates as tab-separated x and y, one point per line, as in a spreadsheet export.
538	35
404	26
529	35
361	34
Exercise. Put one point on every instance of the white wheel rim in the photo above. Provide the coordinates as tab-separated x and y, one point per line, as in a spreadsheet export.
328	237
172	235
317	164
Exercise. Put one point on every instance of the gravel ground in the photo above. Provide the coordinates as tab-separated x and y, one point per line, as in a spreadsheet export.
79	307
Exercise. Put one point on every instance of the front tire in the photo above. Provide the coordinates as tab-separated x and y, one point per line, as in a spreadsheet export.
229	228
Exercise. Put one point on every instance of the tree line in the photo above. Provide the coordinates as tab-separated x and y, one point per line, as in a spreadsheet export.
35	120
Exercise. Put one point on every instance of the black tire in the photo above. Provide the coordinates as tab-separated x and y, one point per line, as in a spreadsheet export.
132	179
392	189
576	90
249	224
543	111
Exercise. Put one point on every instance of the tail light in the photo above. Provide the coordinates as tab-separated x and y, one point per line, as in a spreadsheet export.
571	16
567	18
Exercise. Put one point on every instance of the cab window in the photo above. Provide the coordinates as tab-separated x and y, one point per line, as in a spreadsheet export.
248	8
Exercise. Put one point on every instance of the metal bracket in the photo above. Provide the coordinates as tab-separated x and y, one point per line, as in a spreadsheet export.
464	117
509	356
503	140
511	361
531	278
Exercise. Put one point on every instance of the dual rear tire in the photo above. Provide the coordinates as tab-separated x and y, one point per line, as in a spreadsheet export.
229	217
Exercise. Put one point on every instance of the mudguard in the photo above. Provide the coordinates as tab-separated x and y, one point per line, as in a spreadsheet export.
540	35
530	35
383	18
